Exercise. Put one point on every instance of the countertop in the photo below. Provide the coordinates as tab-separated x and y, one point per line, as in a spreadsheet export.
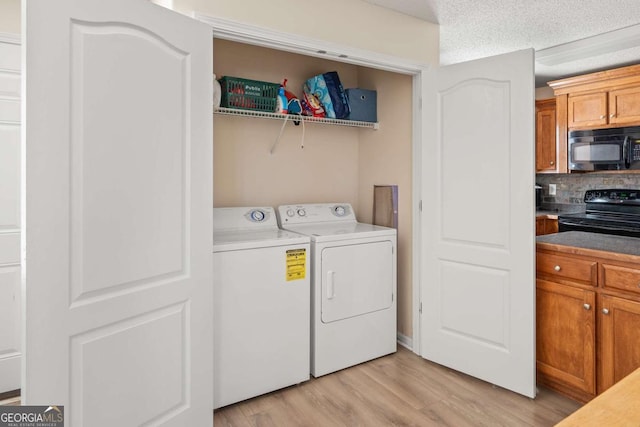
598	242
547	214
618	406
554	210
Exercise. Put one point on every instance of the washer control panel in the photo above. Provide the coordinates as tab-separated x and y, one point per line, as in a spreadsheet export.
312	213
242	218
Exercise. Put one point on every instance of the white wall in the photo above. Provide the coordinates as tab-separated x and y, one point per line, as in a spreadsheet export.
10	16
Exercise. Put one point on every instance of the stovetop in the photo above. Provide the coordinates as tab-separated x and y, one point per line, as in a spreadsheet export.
611	211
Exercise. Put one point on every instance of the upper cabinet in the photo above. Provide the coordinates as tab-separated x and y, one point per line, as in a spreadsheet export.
619	107
604	99
624	106
547	152
608	98
587	110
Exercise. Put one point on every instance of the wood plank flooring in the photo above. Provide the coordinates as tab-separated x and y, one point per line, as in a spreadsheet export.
397	390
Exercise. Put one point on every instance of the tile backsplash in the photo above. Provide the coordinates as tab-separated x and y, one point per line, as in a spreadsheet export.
570	188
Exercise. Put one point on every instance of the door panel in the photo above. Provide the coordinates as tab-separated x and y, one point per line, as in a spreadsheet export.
356	279
10	281
118	213
466	285
478	271
150	156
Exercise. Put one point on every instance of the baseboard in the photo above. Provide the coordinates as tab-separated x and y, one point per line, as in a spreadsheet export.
405	341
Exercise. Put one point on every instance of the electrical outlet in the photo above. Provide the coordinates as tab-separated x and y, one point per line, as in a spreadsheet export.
552	189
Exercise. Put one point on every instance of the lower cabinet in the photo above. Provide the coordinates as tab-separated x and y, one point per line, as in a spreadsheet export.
566	336
587	325
546	225
618	338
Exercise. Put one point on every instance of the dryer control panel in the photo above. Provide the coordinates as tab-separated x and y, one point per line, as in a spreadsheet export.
314	213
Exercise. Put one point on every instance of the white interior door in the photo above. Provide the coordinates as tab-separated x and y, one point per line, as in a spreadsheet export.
9	214
118	184
478	277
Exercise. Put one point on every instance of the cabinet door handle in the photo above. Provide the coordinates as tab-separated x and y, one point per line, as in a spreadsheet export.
551	162
612	115
557	268
602	117
586	306
605	311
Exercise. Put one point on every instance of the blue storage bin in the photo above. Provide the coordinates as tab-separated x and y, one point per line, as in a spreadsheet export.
363	104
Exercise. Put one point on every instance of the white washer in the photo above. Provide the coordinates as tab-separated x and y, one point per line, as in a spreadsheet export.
261	303
353	285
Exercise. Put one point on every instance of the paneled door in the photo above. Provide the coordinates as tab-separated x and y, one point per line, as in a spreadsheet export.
118	227
478	272
10	346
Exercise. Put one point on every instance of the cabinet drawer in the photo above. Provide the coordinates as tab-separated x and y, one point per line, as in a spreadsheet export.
567	268
619	277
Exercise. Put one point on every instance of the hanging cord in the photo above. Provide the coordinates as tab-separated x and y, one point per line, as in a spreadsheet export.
284	123
302	140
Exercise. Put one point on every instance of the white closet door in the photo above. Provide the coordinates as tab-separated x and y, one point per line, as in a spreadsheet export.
118	249
10	348
478	272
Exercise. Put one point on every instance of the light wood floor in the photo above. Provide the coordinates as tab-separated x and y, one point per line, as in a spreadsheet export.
397	390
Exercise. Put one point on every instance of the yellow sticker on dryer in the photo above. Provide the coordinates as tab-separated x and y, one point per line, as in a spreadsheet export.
296	264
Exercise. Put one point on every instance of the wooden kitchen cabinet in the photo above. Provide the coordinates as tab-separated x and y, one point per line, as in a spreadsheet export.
616	107
624	106
618	339
588	110
546	147
605	99
565	339
587	319
546	225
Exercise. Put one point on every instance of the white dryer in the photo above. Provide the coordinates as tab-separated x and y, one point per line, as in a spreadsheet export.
261	302
353	285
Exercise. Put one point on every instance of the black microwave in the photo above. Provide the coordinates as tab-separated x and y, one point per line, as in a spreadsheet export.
604	149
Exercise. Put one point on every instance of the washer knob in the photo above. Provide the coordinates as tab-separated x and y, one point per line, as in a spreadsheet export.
340	210
291	212
257	216
302	212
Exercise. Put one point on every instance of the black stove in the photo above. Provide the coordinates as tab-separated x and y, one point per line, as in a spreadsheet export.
615	211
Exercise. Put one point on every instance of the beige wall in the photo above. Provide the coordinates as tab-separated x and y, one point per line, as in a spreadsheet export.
348	22
544	92
338	164
385	158
10	16
326	170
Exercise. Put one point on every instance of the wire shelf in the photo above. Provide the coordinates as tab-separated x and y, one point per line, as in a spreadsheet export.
277	116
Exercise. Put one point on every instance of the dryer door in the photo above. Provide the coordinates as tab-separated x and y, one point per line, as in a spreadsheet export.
356	279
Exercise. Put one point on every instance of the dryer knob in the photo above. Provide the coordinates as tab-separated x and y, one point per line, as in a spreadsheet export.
340	210
291	212
302	212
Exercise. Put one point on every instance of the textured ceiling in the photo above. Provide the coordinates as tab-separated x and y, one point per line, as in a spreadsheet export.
471	29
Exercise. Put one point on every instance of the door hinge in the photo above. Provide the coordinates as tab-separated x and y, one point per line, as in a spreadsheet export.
420	205
420	309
